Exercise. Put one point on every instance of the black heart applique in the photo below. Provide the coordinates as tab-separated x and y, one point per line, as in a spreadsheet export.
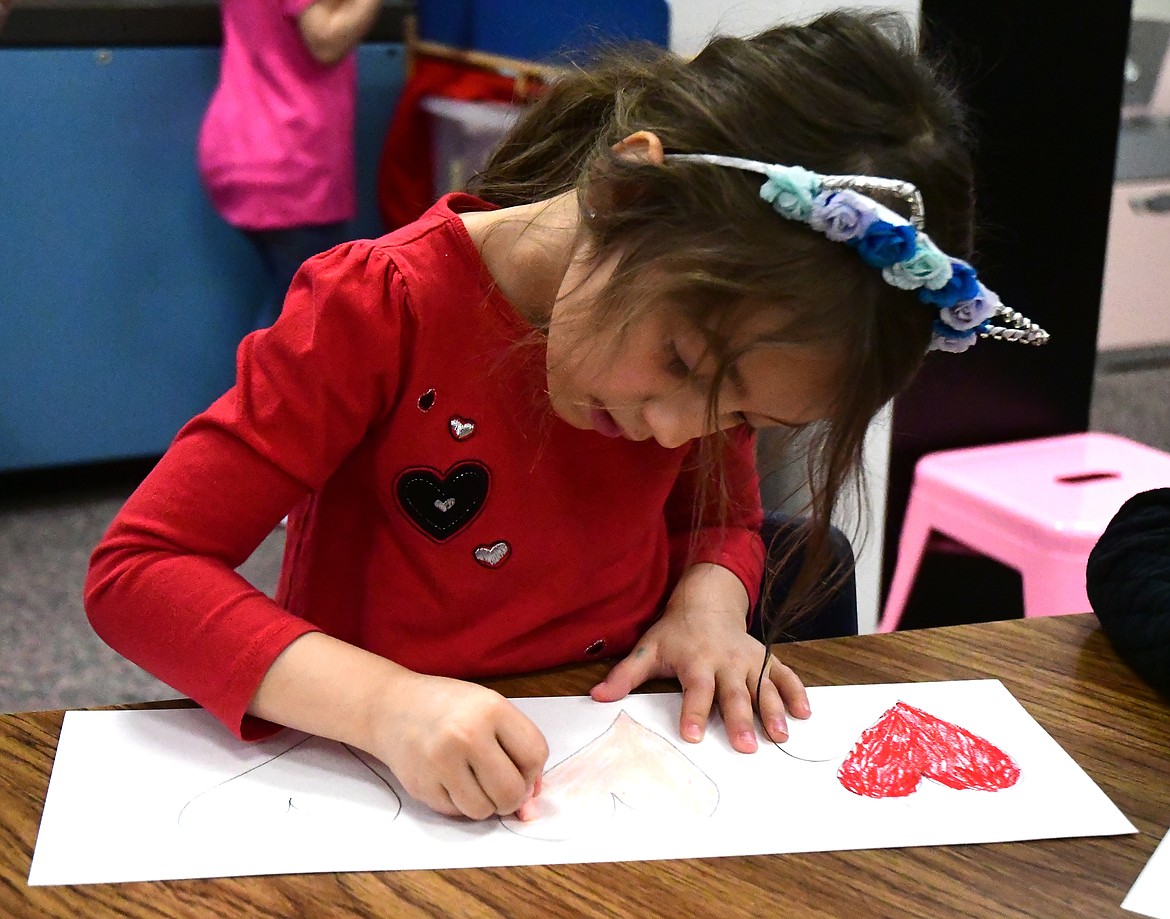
442	504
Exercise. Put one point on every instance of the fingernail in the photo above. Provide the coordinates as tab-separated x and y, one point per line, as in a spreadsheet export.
778	730
747	738
692	732
536	787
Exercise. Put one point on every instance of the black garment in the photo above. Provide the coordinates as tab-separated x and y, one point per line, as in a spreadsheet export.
1128	579
837	616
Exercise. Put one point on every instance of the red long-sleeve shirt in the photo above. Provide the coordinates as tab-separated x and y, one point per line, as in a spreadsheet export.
444	517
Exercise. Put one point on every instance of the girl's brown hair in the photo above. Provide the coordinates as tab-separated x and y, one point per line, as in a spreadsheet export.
846	93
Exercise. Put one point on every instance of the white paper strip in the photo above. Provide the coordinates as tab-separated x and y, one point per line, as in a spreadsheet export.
154	795
1150	894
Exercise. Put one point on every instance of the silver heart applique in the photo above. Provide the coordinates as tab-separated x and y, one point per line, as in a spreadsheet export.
460	429
445	506
493	555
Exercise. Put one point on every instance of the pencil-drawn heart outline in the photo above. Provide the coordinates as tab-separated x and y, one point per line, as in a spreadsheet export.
304	781
906	744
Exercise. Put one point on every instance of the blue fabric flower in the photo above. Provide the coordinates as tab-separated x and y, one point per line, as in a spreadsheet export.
790	190
944	338
885	243
966	314
963	285
927	267
841	215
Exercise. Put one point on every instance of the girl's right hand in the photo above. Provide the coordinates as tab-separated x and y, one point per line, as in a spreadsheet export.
459	748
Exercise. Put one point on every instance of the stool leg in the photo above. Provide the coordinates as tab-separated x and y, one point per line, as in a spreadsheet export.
1055	588
912	543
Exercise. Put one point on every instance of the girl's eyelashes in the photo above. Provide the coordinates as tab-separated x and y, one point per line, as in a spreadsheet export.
675	365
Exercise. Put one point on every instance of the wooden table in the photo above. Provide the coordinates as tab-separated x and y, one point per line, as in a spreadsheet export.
1062	670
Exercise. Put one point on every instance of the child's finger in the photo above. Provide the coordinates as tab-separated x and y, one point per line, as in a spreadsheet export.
771	708
698	695
791	690
501	780
468	795
735	704
529	809
525	747
439	801
633	670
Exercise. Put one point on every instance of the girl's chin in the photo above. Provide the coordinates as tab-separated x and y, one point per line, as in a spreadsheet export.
571	413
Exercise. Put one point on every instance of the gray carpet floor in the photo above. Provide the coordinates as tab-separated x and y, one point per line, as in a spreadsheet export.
49	655
1132	398
49	523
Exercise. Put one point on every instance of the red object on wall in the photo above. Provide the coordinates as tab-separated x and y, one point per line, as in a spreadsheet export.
406	170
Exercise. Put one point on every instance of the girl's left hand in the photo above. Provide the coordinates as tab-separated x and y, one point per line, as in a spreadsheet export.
702	640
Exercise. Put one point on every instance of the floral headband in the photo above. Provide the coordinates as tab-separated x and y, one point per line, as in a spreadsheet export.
839	206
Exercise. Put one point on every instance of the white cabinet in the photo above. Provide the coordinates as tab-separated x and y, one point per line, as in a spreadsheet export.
1135	302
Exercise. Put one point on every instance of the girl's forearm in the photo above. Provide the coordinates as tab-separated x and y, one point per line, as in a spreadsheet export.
325	686
333	28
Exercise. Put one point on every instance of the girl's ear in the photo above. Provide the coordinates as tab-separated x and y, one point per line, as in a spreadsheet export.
641	146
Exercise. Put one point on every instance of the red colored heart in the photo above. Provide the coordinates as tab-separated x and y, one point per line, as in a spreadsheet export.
890	759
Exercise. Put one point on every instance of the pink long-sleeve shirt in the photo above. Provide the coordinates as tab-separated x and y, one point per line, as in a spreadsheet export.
276	147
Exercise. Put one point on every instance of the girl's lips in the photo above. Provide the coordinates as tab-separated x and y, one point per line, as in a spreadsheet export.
603	423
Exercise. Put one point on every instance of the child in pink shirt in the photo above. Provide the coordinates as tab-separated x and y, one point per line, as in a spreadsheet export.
276	149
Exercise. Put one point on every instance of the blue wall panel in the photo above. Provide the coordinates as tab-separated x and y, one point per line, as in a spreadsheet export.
122	294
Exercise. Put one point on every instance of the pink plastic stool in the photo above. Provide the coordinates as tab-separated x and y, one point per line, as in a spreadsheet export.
1038	506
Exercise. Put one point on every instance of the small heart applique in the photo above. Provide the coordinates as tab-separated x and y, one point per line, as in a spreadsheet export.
493	556
462	428
906	744
442	504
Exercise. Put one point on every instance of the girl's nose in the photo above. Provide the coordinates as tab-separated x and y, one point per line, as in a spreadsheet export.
672	424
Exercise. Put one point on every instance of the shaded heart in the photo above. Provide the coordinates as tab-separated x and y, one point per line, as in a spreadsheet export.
441	504
312	785
629	765
492	556
906	744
